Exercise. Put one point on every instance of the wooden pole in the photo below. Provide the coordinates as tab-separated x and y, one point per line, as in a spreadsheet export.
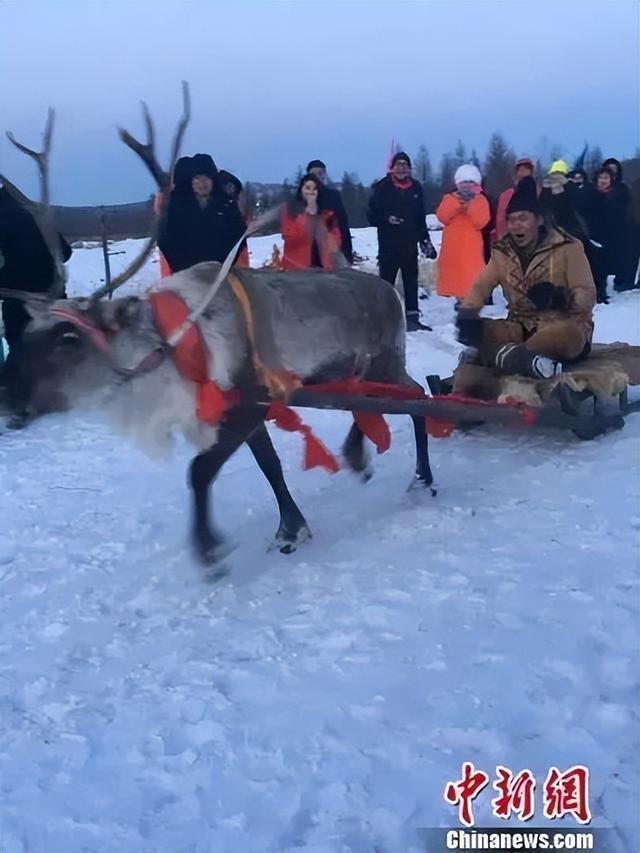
105	252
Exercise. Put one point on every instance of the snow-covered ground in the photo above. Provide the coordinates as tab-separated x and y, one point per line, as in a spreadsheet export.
319	701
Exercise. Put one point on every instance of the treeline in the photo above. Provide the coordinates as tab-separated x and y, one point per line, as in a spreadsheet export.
496	167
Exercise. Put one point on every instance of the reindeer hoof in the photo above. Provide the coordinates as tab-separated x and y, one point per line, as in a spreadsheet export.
357	460
211	550
421	484
287	541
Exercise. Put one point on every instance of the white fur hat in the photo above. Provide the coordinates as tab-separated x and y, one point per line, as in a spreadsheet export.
468	172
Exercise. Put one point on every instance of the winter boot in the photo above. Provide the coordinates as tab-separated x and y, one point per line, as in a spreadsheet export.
516	359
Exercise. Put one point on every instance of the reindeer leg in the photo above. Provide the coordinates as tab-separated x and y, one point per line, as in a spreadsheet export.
234	431
355	453
293	528
424	477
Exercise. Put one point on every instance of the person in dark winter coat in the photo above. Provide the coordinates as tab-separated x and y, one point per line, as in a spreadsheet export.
616	230
568	202
582	194
25	264
625	238
201	223
310	229
396	209
333	200
229	184
559	202
582	198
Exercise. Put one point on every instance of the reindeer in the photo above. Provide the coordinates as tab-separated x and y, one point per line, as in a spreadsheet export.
311	325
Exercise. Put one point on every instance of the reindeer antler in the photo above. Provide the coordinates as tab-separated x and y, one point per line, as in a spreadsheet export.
42	213
146	151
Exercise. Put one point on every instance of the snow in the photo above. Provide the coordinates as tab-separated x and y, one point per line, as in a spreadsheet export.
319	701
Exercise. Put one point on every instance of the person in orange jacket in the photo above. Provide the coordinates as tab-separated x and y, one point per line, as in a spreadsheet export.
523	168
310	229
464	214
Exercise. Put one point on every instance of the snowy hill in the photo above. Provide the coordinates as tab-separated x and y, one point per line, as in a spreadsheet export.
319	701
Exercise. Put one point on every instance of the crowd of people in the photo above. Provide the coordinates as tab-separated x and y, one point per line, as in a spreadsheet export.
551	241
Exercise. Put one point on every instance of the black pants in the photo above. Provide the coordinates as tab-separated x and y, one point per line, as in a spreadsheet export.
404	258
626	266
598	265
15	318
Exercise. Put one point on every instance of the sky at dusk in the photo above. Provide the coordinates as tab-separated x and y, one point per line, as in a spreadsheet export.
275	84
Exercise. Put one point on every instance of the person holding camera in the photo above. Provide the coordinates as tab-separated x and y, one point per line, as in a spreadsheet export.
396	209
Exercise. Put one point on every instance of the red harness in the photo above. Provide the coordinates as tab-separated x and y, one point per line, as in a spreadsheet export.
100	340
191	358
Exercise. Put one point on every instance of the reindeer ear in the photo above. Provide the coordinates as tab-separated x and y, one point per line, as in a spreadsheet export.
38	309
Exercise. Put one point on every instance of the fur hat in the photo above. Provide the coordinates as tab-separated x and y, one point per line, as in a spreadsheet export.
468	172
525	197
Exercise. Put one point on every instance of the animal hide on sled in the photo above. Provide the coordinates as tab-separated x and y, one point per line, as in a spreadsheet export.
606	372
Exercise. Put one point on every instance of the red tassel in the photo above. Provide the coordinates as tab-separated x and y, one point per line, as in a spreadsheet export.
438	429
211	403
375	428
316	454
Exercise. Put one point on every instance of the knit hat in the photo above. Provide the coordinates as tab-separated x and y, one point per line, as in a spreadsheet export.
525	197
315	164
525	161
400	155
559	166
468	172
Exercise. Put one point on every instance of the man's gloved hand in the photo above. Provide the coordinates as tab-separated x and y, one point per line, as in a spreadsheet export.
469	325
428	250
547	297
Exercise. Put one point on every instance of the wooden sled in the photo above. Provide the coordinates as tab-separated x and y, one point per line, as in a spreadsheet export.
588	399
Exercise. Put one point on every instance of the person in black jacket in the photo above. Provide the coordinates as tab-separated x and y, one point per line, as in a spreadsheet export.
560	202
333	201
25	264
201	223
396	209
616	230
625	241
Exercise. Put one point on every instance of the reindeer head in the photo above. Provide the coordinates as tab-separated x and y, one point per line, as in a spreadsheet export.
77	352
74	344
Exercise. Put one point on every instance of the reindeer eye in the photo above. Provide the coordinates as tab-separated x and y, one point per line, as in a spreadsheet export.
66	338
